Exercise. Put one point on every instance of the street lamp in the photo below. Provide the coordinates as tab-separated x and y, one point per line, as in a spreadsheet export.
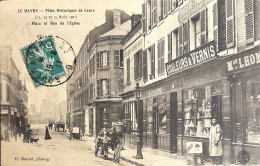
138	95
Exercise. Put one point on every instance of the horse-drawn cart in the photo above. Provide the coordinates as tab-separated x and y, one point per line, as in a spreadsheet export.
60	125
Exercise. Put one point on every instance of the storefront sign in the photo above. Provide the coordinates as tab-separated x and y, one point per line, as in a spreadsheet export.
243	60
155	91
197	56
4	111
194	147
137	46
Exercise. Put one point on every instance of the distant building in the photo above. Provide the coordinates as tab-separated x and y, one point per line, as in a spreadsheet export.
47	111
93	91
13	93
61	112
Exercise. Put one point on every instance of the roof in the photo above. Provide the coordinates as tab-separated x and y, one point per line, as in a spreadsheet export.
120	30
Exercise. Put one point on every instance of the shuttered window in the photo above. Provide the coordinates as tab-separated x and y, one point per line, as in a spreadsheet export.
169	47
160	48
98	60
249	20
215	24
121	58
116	58
203	27
98	88
138	64
91	91
154	12
128	71
144	17
180	41
230	23
145	75
152	54
186	37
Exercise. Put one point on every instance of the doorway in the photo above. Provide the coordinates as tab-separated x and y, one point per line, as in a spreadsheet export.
173	122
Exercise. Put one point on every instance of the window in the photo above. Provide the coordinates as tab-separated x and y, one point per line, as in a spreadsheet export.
118	58
249	17
175	44
144	17
152	57
92	65
160	48
161	10
145	74
253	111
102	59
91	91
148	15
128	71
169	47
130	115
230	37
154	13
103	87
138	64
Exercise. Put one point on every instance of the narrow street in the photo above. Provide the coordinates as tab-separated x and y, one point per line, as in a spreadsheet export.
59	151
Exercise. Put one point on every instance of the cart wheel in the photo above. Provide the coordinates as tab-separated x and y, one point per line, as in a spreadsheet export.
96	150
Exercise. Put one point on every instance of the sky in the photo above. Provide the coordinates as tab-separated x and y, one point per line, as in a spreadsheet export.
17	31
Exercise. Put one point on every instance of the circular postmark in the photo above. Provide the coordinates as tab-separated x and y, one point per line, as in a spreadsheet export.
50	61
243	157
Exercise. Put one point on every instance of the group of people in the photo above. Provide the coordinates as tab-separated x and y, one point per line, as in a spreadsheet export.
7	133
50	125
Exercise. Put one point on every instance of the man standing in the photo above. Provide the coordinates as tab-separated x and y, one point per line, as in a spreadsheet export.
215	143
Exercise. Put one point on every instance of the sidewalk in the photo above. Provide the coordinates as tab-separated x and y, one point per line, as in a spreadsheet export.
150	157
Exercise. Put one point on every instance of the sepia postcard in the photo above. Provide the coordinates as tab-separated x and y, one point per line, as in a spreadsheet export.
140	82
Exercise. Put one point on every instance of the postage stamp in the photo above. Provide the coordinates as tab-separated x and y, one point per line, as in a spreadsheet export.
50	61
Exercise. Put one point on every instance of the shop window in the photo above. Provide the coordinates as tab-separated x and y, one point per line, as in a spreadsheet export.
253	111
162	114
149	115
198	111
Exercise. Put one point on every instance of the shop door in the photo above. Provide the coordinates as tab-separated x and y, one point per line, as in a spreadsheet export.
91	121
173	122
155	124
216	108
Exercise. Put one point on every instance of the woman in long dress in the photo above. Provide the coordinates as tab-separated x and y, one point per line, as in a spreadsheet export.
47	134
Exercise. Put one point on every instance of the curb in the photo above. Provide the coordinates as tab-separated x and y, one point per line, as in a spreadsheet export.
128	160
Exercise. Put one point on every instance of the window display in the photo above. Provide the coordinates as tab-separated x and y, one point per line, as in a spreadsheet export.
253	111
197	112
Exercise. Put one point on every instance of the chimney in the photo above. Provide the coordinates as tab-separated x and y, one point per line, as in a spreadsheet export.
116	17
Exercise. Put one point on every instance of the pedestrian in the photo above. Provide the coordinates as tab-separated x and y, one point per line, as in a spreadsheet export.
118	127
6	134
215	142
47	134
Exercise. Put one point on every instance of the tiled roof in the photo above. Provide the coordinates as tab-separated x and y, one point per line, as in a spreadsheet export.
120	30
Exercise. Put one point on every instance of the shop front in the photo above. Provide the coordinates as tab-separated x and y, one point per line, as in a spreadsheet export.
202	93
243	72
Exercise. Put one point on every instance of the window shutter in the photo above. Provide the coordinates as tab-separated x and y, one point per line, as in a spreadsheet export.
162	57
173	5
128	70
165	8
169	47
98	88
94	90
230	23
144	17
249	18
186	37
107	58
159	57
145	65
121	58
155	12
203	27
116	54
135	65
215	24
108	86
180	41
98	60
140	63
